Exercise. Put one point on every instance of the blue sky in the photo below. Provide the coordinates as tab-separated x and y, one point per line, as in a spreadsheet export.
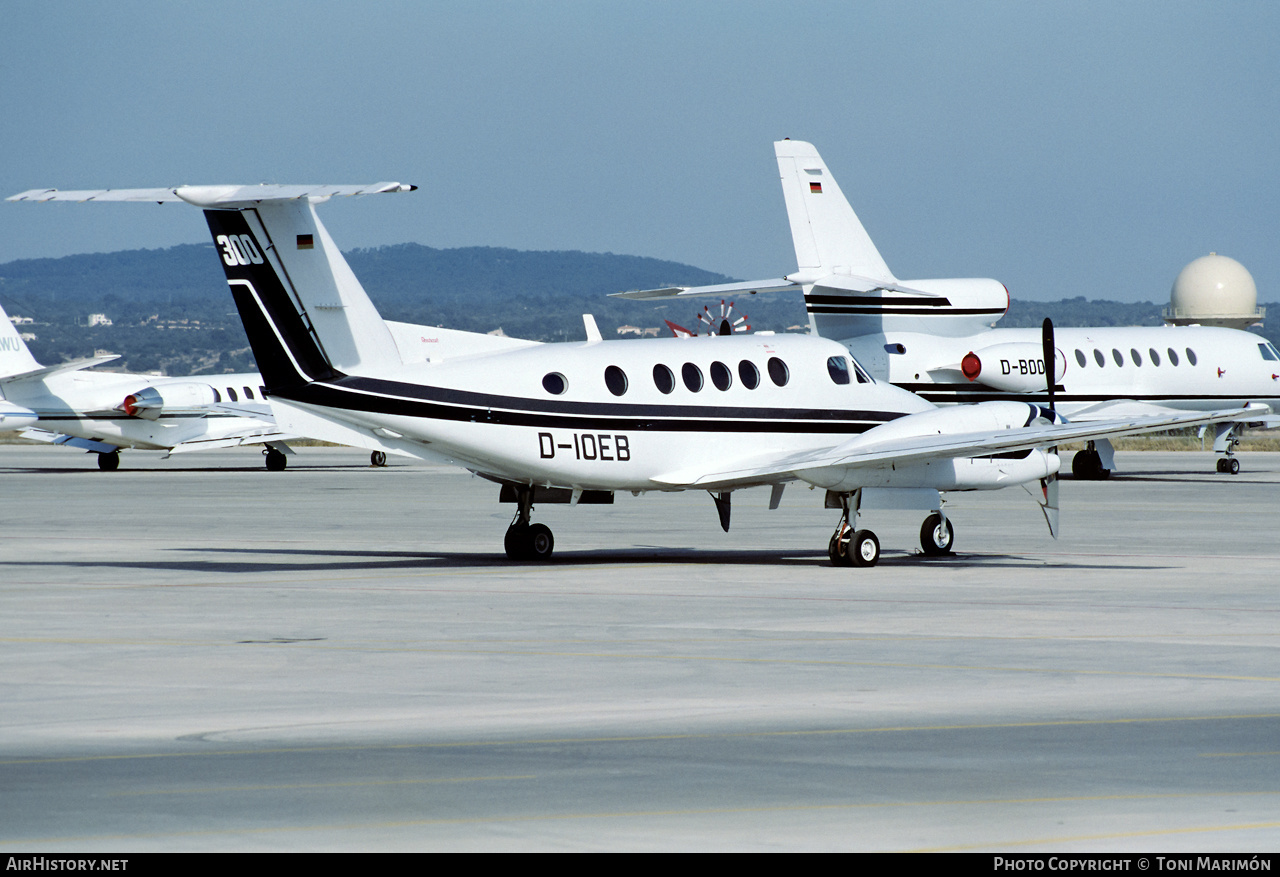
1064	149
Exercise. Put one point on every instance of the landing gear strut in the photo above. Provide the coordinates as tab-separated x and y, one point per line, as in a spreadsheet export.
275	460
1086	465
109	462
850	547
525	541
1227	442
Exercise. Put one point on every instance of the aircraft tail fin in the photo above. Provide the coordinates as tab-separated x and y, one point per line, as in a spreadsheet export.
15	358
827	234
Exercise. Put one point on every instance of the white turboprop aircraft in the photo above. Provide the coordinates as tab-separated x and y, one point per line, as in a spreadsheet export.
574	422
103	412
934	337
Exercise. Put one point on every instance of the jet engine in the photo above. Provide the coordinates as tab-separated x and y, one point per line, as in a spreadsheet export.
150	402
1017	367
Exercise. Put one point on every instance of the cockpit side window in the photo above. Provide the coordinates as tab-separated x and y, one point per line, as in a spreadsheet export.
1268	352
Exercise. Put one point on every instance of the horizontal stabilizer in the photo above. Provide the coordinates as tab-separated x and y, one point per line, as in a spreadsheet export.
72	366
211	196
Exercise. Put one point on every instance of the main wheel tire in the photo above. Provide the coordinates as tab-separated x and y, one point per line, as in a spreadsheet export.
1233	466
516	542
109	462
540	542
1222	465
378	458
838	549
935	539
1086	465
865	548
276	461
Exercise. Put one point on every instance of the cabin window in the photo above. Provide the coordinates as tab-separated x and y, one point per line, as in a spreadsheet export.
1135	356
1267	351
1117	356
749	374
217	397
1191	356
692	377
663	379
1155	357
248	394
1173	357
555	384
1081	358
838	369
616	380
232	395
1099	358
721	376
778	371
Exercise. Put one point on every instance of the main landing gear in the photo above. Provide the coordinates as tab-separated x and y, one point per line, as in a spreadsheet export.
109	462
1229	465
275	460
850	547
526	541
378	458
853	547
1086	465
1226	441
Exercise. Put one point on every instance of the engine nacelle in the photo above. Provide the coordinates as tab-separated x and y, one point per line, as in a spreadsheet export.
150	402
1017	367
14	417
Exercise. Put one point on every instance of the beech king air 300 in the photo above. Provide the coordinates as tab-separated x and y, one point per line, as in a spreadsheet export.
103	412
934	337
575	422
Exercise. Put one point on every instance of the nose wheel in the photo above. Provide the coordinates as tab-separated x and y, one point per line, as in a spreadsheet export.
936	535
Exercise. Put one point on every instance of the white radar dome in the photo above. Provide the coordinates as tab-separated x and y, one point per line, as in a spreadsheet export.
1214	290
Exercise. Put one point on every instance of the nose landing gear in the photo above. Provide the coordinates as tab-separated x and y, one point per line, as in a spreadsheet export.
526	541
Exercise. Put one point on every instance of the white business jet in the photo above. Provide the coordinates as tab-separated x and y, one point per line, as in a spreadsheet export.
575	422
934	337
102	412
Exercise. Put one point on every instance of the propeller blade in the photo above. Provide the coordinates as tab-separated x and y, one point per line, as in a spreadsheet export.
1050	360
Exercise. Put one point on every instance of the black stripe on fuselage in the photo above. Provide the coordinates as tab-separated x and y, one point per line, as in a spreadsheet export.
943	394
373	395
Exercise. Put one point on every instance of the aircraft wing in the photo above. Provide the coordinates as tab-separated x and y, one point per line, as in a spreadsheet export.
746	287
1118	408
860	452
57	438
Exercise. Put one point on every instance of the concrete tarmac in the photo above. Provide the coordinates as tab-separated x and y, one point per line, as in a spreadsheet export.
201	655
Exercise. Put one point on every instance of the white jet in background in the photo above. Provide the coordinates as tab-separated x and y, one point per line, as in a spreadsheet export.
575	422
103	412
935	337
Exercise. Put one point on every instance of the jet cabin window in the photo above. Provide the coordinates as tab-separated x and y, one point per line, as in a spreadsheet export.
1099	358
778	371
1268	352
721	376
1191	356
1173	357
232	394
1081	358
663	379
555	384
1155	357
248	394
1117	356
692	377
749	374
616	380
1135	356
